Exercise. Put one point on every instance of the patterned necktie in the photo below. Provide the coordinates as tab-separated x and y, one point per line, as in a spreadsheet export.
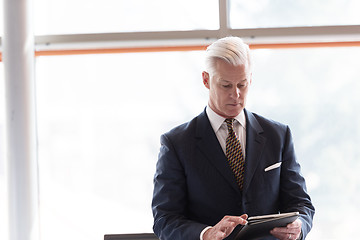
234	154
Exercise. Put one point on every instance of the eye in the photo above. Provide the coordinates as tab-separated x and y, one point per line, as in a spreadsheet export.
242	85
226	85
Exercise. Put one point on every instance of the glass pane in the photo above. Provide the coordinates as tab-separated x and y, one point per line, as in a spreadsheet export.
285	13
100	118
316	92
99	16
87	105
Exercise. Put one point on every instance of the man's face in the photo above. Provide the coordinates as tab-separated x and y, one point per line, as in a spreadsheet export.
228	88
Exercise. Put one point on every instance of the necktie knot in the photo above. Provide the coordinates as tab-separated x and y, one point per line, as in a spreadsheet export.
229	124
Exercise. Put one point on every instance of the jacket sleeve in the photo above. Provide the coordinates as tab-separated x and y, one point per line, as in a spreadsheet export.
170	197
293	193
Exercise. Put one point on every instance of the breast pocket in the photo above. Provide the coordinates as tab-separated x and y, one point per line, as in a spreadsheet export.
273	167
271	177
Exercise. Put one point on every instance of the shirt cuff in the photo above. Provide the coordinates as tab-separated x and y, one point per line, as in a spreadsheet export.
203	231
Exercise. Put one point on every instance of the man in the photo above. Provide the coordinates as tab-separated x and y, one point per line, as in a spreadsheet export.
200	191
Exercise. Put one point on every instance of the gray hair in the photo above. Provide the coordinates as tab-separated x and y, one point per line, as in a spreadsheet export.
230	49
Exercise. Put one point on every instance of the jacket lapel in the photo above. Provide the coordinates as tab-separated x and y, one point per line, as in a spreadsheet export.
210	147
254	147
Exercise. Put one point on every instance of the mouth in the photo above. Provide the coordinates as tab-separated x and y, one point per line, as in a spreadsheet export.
234	104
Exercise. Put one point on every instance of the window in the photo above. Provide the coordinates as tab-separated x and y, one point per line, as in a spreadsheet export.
95	16
315	92
283	13
99	122
97	157
90	107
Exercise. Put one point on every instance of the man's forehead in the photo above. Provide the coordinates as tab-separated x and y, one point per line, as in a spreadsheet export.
237	75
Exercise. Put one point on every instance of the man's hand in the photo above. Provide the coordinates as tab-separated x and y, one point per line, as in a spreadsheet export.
223	228
291	231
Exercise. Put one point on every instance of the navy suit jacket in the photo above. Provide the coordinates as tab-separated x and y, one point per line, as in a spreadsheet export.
194	187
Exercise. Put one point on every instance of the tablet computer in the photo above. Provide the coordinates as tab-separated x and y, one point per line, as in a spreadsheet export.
260	226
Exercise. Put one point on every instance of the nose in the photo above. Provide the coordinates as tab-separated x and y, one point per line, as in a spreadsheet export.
236	93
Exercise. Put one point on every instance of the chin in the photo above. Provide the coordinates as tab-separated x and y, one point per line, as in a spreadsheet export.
232	114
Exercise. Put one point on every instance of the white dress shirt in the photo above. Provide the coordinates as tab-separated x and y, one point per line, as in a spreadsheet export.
220	128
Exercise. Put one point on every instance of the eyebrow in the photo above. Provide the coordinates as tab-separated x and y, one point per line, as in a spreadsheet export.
224	80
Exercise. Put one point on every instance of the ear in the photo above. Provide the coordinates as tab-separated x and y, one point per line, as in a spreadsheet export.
206	79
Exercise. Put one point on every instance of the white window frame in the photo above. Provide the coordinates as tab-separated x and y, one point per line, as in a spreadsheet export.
341	35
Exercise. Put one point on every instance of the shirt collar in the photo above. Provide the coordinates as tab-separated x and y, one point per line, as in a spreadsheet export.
216	120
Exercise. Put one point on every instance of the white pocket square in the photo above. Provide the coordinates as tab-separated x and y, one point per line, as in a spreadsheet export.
276	165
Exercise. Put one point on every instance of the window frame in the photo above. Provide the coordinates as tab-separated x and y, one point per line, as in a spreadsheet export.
284	37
